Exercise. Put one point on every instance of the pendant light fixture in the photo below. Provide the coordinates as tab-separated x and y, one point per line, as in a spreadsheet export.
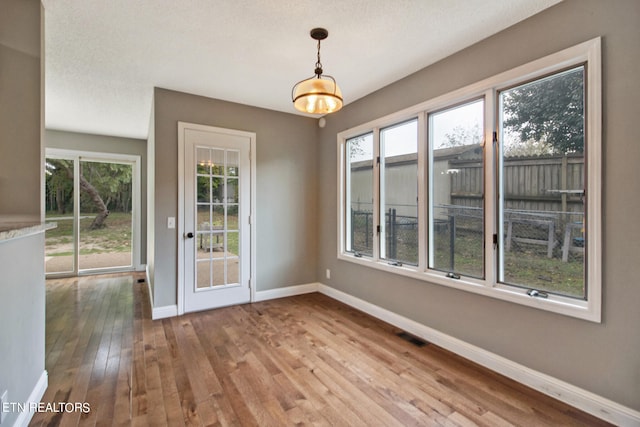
319	94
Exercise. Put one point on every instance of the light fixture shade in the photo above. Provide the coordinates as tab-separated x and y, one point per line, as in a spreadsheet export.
317	95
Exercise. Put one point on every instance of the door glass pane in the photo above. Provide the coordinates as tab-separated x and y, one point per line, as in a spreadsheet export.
232	217
203	161
232	190
399	199
59	242
218	216
217	189
204	216
232	163
217	242
203	273
359	191
217	161
204	189
105	215
456	192
232	257
542	182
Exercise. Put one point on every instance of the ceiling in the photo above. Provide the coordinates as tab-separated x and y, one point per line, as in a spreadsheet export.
104	57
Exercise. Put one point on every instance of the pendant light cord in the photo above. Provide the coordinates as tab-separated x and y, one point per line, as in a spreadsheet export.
318	64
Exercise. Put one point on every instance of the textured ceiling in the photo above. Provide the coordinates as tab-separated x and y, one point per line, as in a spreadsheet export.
103	57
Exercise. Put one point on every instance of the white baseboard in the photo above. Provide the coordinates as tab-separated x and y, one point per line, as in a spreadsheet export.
35	396
164	312
582	399
172	310
159	312
146	277
289	291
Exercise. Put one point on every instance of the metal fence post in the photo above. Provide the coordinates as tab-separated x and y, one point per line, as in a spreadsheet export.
452	240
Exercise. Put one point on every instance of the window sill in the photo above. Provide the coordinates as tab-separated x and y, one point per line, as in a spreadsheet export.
554	303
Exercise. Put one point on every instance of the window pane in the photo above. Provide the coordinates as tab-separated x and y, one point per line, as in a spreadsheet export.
233	166
59	203
399	198
359	230
456	192
542	184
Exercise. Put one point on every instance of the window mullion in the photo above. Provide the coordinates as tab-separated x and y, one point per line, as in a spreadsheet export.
422	192
346	200
378	224
491	220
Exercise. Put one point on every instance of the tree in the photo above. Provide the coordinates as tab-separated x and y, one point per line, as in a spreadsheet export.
356	150
527	148
460	136
549	111
59	188
107	186
102	185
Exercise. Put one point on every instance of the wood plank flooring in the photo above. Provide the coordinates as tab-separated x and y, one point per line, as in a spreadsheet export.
304	360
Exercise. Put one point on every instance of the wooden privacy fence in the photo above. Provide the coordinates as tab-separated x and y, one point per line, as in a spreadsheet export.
543	199
533	183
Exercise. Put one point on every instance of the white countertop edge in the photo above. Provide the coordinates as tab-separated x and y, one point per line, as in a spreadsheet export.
11	231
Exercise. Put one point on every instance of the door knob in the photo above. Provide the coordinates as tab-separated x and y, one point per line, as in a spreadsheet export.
190	235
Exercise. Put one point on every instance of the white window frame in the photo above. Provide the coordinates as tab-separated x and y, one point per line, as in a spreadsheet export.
587	54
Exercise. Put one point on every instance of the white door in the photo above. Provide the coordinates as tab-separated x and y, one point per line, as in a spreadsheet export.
217	206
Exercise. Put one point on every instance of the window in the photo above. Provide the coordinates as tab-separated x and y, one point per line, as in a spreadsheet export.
359	238
493	189
399	192
542	184
456	193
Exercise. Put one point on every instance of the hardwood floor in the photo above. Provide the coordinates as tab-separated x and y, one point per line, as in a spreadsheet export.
304	360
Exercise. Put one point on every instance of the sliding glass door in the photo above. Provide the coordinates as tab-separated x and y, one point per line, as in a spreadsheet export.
105	215
92	201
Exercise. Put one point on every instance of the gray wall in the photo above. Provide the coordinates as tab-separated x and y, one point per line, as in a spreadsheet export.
20	108
602	358
286	205
22	293
22	314
111	145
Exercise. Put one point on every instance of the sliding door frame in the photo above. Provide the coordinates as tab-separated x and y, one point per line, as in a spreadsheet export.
77	156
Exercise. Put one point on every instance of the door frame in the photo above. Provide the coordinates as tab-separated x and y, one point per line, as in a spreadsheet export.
180	232
77	156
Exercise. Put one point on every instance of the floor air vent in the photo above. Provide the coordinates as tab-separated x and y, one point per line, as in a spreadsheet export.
412	339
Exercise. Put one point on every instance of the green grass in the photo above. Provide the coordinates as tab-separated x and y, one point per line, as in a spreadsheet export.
525	265
114	237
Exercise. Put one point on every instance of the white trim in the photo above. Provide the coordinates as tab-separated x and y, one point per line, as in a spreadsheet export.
587	401
164	312
146	276
159	312
136	206
252	217
182	126
288	291
35	396
588	52
180	220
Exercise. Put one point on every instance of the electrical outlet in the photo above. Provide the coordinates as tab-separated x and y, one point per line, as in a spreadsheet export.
3	399
328	274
